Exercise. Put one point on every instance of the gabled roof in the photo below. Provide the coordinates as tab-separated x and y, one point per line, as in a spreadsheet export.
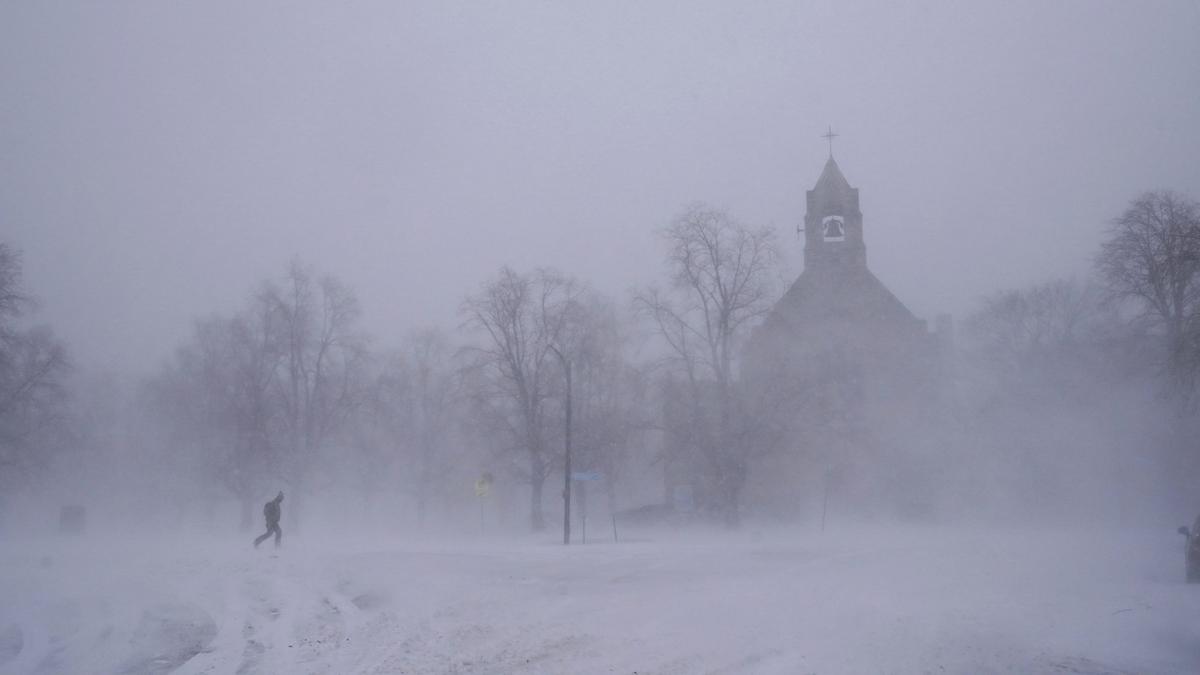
853	298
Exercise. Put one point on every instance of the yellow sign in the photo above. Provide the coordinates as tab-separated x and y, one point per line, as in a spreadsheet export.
482	487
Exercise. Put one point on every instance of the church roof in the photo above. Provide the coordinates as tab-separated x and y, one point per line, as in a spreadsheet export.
832	180
855	297
837	297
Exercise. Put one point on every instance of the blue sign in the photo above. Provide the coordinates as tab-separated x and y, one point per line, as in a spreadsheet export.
683	498
586	475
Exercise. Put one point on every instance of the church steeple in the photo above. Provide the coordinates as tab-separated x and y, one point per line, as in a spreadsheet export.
833	224
832	181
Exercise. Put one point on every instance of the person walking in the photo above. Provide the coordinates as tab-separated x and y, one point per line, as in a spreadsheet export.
271	511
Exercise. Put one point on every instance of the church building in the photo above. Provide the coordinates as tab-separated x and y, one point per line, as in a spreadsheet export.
855	374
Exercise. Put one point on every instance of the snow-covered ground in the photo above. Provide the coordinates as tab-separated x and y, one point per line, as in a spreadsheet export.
878	600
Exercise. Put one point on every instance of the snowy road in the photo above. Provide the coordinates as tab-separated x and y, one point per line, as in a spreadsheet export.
870	601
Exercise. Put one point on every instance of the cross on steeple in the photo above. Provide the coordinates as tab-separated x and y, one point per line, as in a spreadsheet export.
829	136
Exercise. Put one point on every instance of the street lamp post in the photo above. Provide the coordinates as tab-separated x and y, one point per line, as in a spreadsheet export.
567	460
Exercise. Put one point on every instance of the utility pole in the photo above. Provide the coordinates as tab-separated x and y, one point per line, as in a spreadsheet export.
567	460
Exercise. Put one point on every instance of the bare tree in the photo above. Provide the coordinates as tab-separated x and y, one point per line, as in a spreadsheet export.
721	273
435	393
190	400
13	300
1037	330
262	394
610	395
1052	386
320	380
33	365
521	319
414	405
380	430
1049	342
215	402
259	395
1152	257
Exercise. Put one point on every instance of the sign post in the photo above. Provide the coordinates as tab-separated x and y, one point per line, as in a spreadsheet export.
483	487
582	477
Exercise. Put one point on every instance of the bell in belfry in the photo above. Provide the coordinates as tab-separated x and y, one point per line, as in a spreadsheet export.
834	229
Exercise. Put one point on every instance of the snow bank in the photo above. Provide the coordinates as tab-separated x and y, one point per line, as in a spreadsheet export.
863	601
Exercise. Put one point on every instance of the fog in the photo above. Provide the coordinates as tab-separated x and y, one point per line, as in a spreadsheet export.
171	157
862	337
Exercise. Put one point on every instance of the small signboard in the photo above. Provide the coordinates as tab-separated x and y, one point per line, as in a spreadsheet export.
682	497
586	475
483	485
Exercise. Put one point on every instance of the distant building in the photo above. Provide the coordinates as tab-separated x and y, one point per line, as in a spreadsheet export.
854	372
841	389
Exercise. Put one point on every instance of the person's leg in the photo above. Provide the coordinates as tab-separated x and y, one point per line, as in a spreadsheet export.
278	534
262	537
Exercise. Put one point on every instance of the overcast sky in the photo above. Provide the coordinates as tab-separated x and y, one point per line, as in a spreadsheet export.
158	159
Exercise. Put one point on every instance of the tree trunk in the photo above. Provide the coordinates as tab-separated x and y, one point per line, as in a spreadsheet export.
536	518
733	474
733	479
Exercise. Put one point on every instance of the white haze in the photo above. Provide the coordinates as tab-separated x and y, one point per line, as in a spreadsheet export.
160	163
170	156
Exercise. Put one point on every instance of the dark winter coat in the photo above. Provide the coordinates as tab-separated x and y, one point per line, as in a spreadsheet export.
271	511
